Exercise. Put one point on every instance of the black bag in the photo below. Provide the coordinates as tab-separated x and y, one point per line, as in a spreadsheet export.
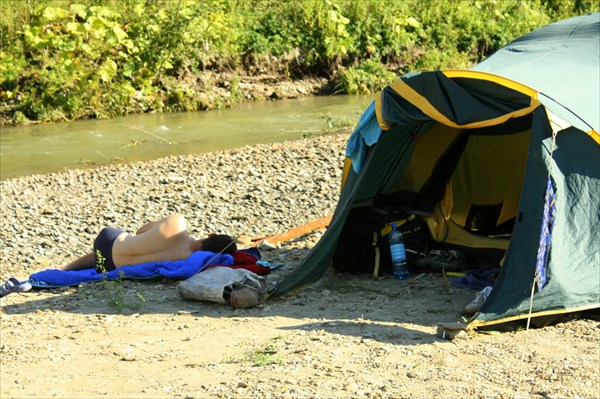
363	246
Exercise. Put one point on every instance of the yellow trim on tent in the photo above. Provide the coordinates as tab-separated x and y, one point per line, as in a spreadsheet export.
594	135
511	84
382	124
482	323
425	106
346	171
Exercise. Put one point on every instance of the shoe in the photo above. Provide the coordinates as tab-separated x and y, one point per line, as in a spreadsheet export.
478	301
244	297
443	261
13	285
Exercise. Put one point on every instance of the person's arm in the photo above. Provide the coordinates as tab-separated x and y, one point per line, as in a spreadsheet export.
85	262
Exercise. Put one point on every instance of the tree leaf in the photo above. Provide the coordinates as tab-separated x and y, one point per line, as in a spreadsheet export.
412	22
53	13
75	28
120	33
107	70
80	10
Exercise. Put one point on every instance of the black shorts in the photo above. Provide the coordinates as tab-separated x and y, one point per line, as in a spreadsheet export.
103	249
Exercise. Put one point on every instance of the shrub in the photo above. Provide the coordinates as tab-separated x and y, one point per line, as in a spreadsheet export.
64	60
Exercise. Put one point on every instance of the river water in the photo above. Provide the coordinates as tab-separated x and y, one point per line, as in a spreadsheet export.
54	147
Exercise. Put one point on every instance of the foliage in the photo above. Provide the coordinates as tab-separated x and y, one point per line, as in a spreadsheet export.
66	60
262	356
115	293
369	76
121	300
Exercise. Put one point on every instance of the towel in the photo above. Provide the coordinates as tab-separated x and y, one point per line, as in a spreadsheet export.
365	135
178	270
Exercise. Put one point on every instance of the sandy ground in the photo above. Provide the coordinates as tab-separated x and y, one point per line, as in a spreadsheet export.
346	336
343	337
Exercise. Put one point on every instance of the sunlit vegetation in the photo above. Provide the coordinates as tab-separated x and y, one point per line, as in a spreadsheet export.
64	60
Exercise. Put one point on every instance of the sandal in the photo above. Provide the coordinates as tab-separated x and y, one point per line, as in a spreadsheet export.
13	285
443	261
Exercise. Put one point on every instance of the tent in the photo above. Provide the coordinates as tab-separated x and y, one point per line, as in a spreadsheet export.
514	138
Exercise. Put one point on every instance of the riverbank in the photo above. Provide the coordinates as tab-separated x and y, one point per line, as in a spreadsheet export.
65	61
344	336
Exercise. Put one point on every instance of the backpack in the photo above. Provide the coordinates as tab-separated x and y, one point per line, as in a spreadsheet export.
363	246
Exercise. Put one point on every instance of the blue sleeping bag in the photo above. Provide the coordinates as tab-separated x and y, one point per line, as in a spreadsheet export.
179	270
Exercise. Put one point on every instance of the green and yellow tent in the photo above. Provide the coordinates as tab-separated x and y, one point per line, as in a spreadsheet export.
518	133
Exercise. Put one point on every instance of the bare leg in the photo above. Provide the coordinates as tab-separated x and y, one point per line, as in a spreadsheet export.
85	262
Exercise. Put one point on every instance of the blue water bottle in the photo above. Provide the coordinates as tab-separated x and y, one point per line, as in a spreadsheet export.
398	252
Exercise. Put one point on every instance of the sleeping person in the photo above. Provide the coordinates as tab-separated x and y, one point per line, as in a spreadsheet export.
159	241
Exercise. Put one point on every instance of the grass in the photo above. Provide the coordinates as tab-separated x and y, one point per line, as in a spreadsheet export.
264	355
117	297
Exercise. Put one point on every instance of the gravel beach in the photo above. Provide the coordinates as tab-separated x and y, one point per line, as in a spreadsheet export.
345	336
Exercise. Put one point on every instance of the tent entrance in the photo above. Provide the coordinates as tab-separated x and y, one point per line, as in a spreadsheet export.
479	198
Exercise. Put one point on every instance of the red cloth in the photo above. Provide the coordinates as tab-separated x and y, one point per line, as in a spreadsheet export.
243	260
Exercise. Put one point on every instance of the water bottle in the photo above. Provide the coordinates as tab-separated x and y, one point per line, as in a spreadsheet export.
398	252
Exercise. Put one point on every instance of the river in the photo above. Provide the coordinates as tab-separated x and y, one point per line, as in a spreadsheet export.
54	147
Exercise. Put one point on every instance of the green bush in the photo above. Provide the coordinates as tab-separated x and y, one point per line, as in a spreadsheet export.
368	77
65	60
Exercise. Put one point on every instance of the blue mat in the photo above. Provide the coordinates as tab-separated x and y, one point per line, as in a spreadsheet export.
178	270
